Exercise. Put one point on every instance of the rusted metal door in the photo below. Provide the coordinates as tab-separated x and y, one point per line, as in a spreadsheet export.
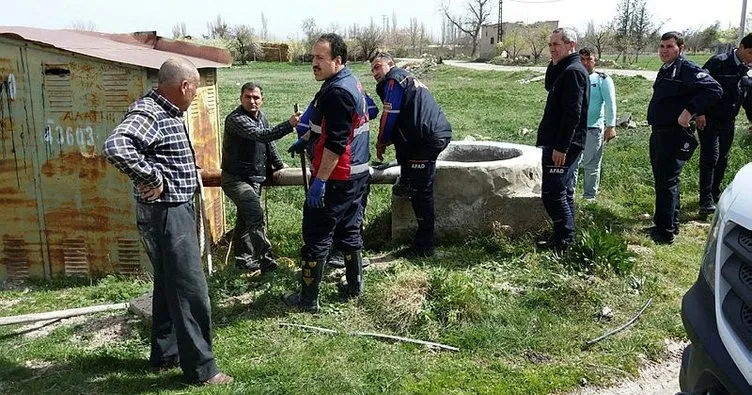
22	252
88	207
203	126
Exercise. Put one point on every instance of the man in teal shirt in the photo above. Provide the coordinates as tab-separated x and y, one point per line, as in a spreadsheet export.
602	94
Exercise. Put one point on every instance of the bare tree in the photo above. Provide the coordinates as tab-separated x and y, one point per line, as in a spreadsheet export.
622	25
311	31
86	26
598	38
478	12
218	28
644	28
368	40
179	30
537	37
334	27
264	27
414	32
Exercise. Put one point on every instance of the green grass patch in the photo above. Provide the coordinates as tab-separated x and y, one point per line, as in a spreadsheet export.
519	316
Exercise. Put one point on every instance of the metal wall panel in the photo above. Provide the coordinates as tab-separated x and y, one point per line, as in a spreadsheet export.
65	210
22	248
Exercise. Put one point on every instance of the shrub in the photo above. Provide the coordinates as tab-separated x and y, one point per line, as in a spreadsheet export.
455	299
598	252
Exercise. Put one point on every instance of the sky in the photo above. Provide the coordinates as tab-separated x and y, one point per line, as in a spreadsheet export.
285	16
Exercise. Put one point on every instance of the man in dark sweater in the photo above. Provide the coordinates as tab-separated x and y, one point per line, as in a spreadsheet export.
561	133
717	124
248	155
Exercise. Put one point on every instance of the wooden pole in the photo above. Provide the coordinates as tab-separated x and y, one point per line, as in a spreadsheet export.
59	314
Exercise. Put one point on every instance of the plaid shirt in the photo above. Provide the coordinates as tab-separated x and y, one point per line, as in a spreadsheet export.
151	146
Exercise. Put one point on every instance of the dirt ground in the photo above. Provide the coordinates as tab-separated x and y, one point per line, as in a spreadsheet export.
660	378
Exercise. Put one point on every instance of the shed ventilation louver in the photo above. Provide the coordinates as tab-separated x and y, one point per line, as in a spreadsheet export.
75	257
129	257
57	87
16	258
115	86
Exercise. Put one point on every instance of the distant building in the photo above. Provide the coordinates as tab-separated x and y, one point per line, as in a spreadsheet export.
488	35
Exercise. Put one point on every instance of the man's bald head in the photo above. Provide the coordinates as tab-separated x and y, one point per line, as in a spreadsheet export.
175	70
178	81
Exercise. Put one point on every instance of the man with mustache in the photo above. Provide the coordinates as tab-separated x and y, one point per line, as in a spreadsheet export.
339	116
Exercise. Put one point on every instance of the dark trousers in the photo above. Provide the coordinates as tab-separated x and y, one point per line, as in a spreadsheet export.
664	146
419	165
557	193
338	220
715	144
249	239
181	314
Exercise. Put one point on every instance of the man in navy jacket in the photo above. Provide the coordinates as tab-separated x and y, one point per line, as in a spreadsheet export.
561	133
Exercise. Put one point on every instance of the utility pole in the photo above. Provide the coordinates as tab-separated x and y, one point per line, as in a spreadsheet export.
743	22
500	29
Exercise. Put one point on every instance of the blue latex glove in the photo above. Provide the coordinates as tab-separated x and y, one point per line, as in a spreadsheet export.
298	146
316	193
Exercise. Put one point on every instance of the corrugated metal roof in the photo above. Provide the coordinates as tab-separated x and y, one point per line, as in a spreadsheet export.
144	49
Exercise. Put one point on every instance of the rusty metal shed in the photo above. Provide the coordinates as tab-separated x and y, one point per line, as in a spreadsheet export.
64	209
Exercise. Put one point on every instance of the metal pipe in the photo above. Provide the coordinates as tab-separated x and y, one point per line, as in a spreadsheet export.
290	176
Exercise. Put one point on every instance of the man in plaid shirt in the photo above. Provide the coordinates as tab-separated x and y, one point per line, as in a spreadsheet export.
152	148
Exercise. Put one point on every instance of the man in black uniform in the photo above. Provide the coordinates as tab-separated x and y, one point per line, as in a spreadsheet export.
248	155
562	131
681	90
417	126
716	125
333	208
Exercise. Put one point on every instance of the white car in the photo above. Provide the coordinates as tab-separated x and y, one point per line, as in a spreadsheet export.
717	310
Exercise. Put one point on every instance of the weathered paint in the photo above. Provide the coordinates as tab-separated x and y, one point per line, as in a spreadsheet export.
64	209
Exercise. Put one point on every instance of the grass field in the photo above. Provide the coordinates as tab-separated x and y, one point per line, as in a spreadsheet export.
651	61
519	317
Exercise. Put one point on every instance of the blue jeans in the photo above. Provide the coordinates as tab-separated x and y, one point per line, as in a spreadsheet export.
590	160
181	314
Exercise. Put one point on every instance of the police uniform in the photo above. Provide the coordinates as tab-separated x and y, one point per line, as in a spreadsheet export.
417	126
680	85
716	138
338	116
335	257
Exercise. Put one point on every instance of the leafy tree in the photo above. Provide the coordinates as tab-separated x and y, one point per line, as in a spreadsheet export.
537	37
514	42
244	46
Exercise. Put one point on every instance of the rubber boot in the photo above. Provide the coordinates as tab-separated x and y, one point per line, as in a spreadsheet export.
308	298
355	283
